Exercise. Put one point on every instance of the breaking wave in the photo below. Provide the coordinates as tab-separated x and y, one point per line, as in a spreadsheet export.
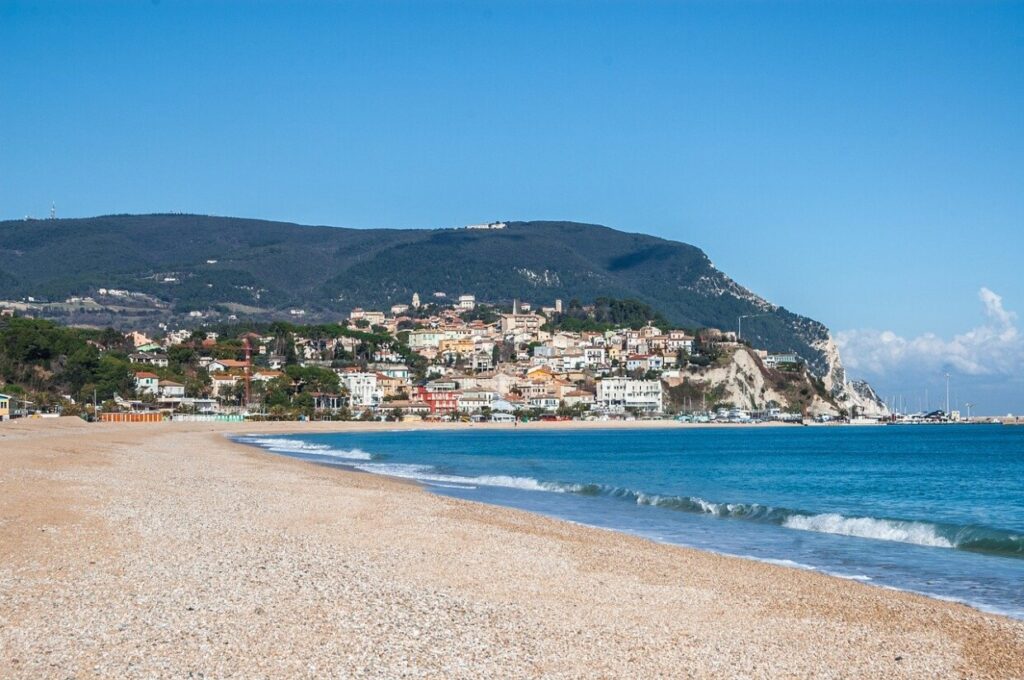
429	474
918	533
294	446
973	538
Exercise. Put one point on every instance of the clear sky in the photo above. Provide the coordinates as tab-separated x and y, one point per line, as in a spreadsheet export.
860	163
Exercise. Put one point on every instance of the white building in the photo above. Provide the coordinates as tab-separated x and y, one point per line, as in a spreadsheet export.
472	401
467	301
171	390
363	389
595	356
678	340
616	395
776	360
528	324
425	337
376	318
391	370
147	383
545	402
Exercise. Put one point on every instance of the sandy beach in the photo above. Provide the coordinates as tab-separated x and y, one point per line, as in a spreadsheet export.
165	550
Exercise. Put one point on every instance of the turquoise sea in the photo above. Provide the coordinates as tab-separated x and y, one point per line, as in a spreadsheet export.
933	509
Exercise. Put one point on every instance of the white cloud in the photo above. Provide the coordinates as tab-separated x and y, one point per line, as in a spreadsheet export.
996	347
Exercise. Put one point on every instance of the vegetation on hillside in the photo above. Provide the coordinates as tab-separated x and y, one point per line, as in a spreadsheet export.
42	360
258	269
605	314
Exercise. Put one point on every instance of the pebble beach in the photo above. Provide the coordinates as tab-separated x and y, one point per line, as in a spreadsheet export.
166	550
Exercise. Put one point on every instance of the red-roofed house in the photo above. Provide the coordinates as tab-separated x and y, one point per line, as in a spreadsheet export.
225	365
147	383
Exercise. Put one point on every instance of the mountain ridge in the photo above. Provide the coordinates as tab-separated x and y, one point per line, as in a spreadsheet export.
197	262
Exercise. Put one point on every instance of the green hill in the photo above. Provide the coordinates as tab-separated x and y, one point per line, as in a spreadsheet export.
262	269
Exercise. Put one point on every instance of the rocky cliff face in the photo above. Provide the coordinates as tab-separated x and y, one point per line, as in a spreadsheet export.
738	378
856	397
814	344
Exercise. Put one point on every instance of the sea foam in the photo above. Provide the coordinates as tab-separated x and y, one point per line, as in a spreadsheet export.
428	474
918	533
295	446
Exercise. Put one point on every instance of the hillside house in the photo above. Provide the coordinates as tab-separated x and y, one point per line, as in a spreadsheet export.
392	387
776	360
149	359
223	383
225	365
168	389
399	371
266	375
147	383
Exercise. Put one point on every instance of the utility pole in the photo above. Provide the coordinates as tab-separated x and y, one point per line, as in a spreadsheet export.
739	324
947	395
248	371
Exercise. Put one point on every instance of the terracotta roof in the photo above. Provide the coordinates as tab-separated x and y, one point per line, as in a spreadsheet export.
145	375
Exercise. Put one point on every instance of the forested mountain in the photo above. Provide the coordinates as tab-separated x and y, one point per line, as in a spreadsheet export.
261	269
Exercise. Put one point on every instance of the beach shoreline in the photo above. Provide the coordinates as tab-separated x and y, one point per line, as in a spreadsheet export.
160	543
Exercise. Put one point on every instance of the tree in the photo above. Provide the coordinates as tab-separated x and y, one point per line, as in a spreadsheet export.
314	378
291	358
81	367
113	376
179	357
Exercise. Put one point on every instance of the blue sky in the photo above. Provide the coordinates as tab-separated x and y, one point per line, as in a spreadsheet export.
861	163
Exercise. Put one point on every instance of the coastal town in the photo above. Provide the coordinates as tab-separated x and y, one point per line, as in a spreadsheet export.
447	359
444	359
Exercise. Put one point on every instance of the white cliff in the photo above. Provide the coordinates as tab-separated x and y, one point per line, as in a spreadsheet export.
856	397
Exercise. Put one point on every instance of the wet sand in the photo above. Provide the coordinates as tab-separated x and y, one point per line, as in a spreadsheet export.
164	550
